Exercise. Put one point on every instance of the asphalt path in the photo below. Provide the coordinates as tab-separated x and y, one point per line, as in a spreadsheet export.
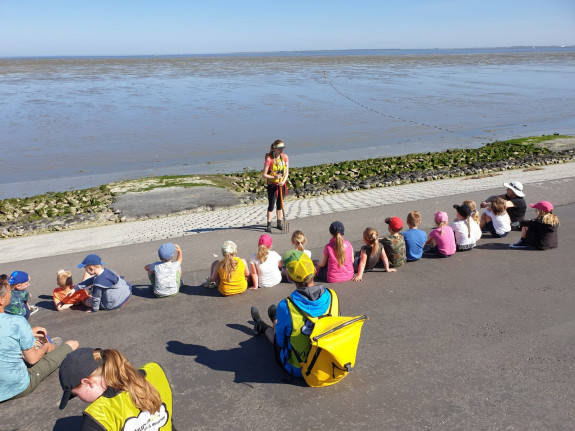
482	340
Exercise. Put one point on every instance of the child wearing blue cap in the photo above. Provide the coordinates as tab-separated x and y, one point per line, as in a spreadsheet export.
165	275
109	290
19	282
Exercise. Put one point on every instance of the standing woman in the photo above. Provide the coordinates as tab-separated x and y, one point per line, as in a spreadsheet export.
276	174
121	396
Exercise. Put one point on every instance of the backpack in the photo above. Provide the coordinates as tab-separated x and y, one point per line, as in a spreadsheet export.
332	343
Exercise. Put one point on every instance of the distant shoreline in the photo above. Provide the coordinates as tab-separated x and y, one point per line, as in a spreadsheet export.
339	52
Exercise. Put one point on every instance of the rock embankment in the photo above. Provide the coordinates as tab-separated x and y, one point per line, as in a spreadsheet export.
82	208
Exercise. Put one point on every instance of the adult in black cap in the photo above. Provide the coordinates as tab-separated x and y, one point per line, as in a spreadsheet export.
121	396
514	203
276	171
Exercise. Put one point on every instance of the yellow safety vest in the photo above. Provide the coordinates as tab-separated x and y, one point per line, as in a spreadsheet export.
120	413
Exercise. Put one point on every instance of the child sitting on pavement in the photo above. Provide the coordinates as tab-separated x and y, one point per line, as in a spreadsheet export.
166	274
540	232
336	264
298	240
464	228
394	244
265	265
475	218
441	240
109	290
19	282
230	274
370	255
495	220
414	237
66	296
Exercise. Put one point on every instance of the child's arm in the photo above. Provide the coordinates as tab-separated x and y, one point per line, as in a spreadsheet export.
179	250
246	269
385	261
255	275
323	261
147	268
360	266
96	299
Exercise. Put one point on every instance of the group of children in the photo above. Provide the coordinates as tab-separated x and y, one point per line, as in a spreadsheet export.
339	263
103	289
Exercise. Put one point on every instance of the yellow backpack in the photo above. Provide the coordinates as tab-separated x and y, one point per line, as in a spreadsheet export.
333	342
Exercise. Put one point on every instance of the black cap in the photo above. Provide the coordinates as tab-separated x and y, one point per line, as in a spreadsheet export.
464	210
336	227
76	365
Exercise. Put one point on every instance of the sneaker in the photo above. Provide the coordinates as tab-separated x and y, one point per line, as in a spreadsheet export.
57	341
209	284
272	312
33	309
521	244
259	325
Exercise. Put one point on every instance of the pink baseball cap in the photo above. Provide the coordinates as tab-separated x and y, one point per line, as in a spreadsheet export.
266	240
543	206
440	216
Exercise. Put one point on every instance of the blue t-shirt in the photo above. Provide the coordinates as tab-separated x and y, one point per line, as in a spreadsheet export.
414	240
15	336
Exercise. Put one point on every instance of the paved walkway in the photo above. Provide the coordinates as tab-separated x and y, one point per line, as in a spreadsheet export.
120	234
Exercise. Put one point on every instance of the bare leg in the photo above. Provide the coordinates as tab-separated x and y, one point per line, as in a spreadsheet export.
484	220
270	332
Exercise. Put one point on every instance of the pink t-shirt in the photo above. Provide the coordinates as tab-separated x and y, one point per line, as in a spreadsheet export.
445	242
335	274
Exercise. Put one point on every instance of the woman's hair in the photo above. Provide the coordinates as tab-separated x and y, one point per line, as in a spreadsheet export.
64	278
263	252
413	218
118	373
298	239
548	218
339	249
498	206
473	207
229	264
371	236
272	153
4	286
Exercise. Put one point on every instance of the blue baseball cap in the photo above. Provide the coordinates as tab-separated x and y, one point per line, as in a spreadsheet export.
91	259
18	277
166	251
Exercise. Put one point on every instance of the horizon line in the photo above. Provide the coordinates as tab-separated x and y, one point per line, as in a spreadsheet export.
281	52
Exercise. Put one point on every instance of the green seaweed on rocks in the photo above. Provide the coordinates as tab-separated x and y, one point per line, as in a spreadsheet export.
64	210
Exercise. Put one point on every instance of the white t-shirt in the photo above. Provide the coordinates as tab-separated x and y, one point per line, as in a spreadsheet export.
166	281
463	240
501	223
268	272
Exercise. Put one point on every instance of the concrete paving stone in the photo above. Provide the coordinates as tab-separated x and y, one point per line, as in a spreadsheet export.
246	215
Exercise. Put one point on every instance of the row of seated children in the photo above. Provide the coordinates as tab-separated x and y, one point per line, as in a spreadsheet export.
232	275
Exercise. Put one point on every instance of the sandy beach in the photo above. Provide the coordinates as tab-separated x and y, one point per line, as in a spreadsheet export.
483	340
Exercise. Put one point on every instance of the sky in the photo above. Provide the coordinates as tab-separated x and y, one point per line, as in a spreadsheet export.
164	27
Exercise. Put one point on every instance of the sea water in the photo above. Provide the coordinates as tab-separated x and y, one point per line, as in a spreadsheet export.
72	123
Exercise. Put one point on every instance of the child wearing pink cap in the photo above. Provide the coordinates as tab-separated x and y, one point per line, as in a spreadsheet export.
540	232
441	240
265	265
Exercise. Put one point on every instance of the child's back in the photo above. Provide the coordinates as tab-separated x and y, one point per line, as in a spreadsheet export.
165	275
414	237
